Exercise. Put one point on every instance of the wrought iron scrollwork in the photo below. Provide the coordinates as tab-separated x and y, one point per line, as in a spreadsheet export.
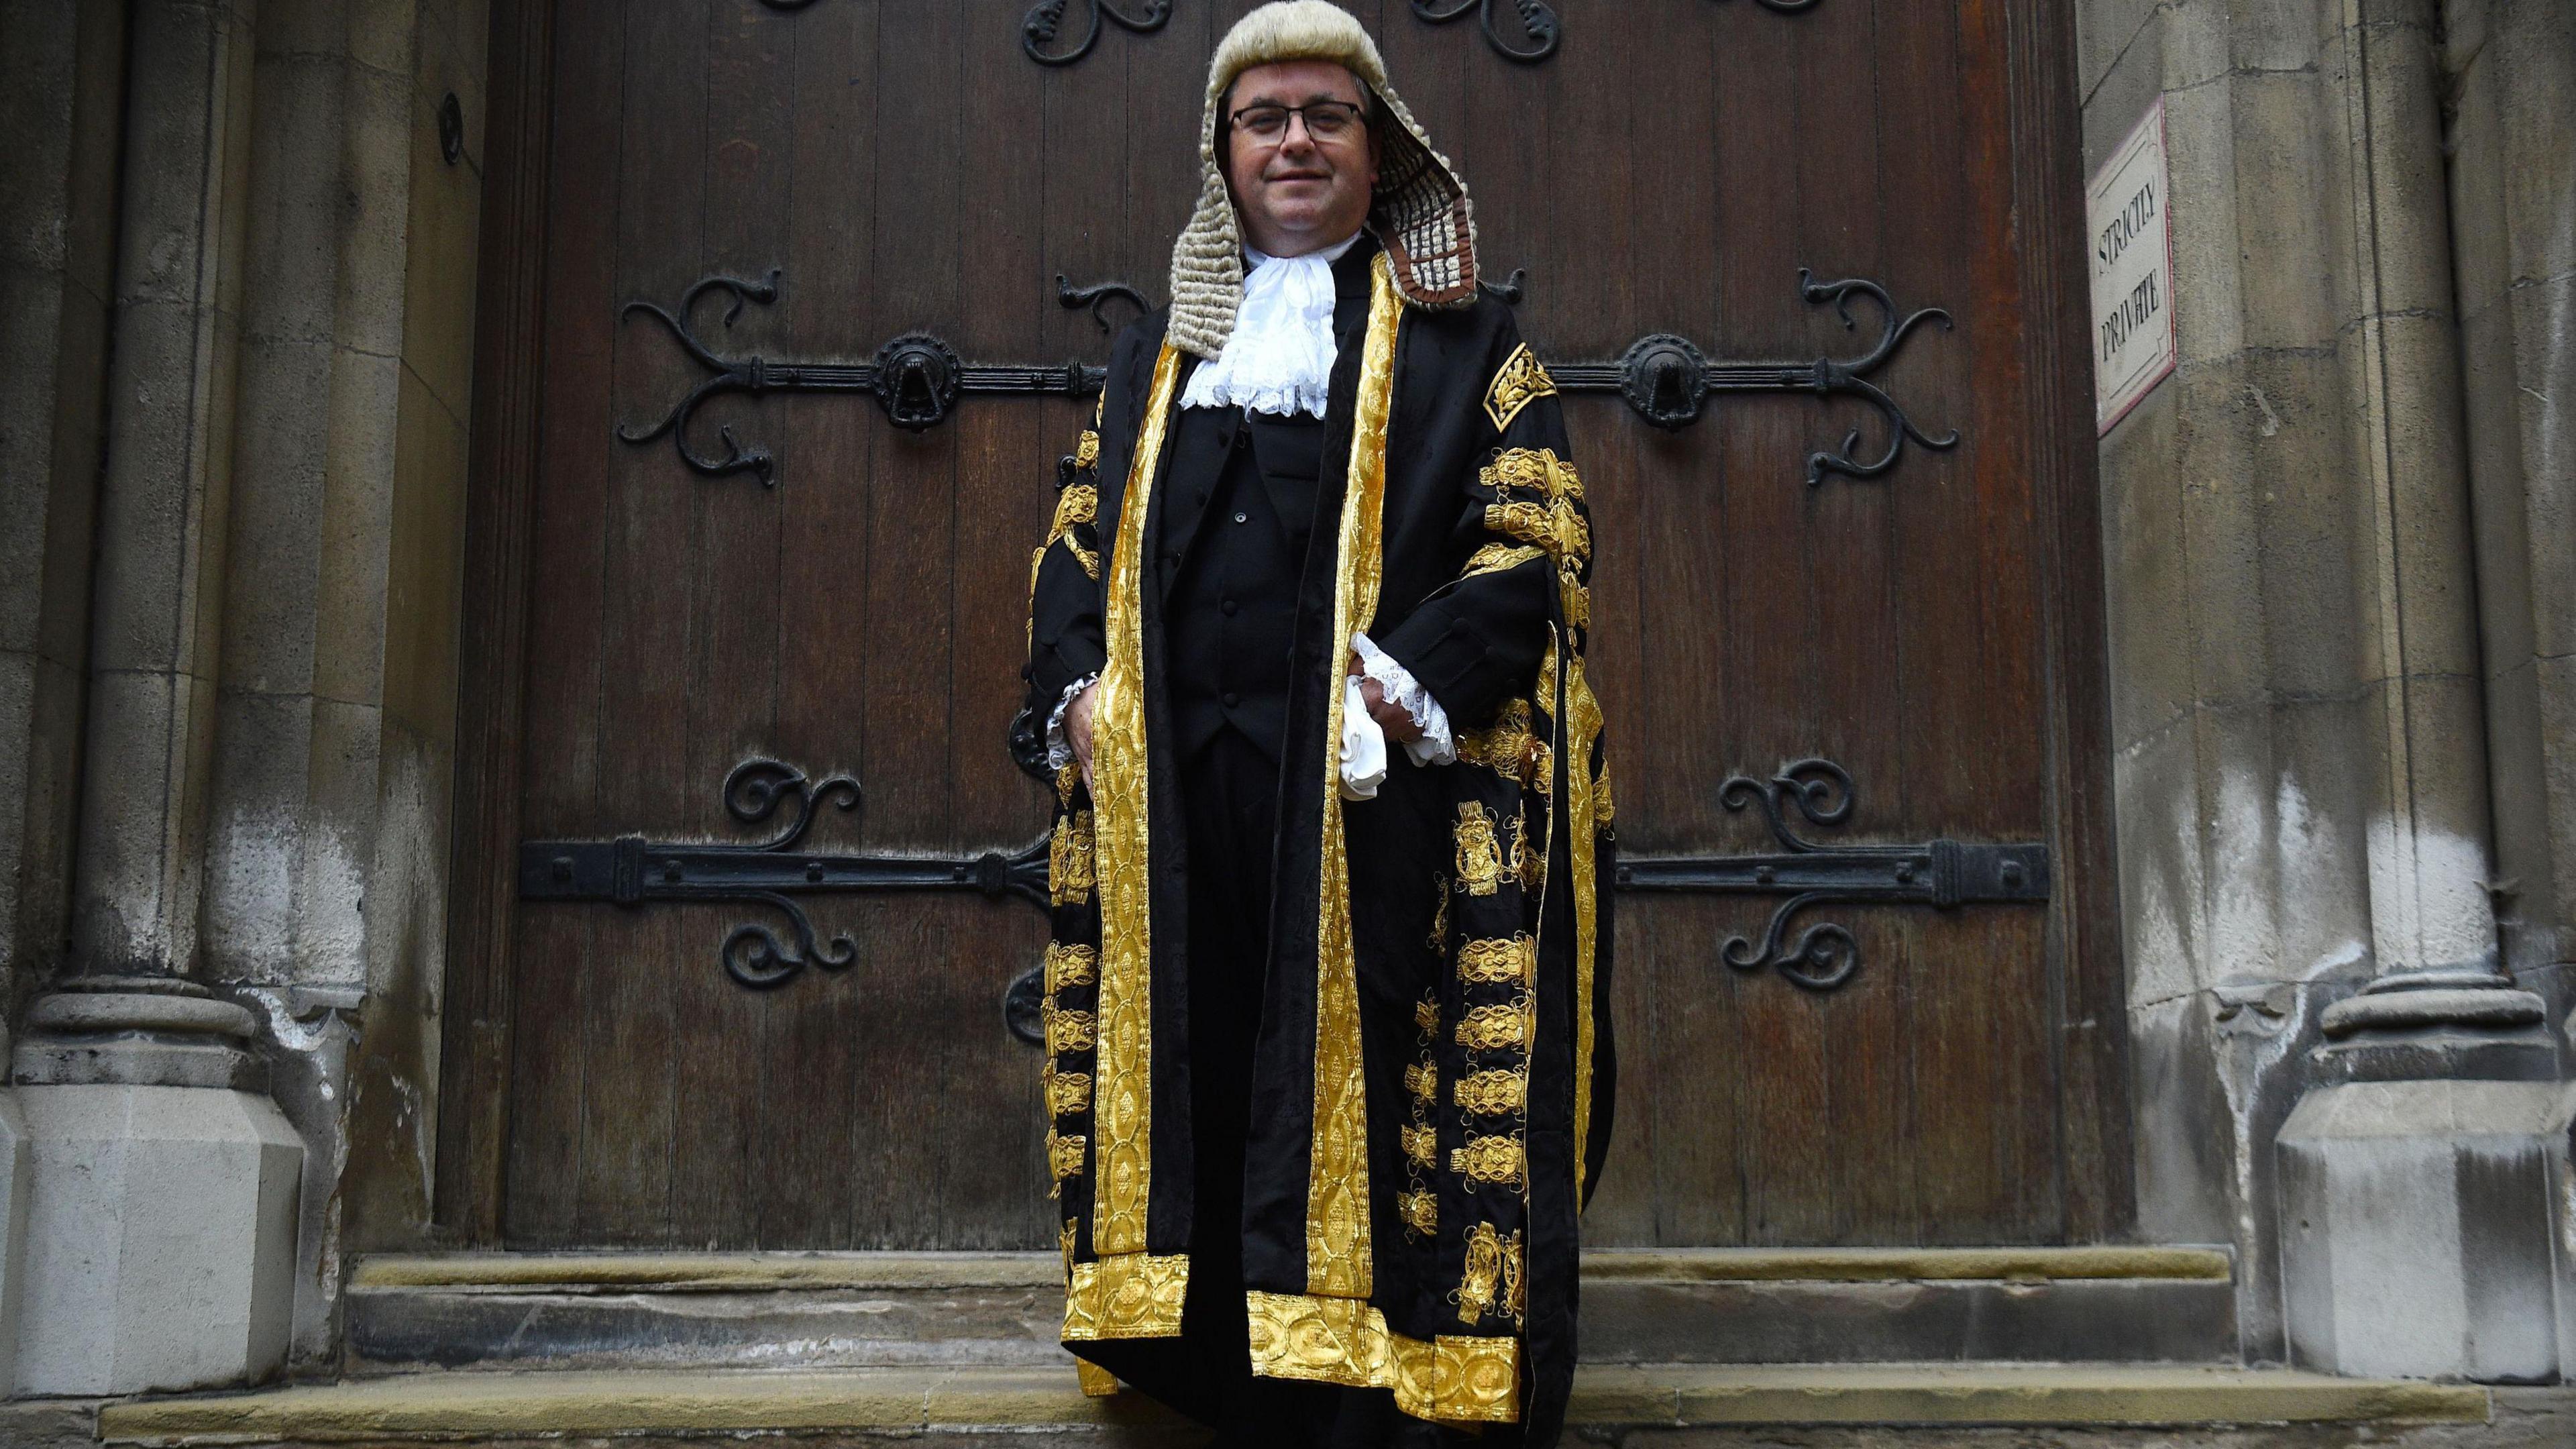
1045	24
916	378
1944	874
1540	30
633	871
1666	379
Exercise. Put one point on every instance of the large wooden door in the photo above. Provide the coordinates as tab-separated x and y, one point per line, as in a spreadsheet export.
853	605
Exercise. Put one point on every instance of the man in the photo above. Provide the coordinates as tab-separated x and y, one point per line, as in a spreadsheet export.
1328	1057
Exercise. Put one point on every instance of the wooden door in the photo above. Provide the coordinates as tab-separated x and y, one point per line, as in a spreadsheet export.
851	605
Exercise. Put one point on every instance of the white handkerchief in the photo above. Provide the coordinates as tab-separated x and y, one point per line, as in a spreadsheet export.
1363	745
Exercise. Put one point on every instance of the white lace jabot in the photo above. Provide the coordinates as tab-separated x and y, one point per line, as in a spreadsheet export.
1280	358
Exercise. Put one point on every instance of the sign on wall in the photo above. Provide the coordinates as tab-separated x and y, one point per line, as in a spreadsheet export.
2134	345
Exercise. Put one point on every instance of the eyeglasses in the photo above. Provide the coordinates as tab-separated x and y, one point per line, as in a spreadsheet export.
1326	121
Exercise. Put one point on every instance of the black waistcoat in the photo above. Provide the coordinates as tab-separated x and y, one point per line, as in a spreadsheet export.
1237	521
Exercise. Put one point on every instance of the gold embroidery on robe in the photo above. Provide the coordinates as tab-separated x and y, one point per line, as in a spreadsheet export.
1131	1295
1065	780
1521	380
1123	1094
1086	451
1496	1028
1439	912
1345	1341
1420	1211
1068	1031
1509	747
1068	1093
1603	811
1064	1154
1559	531
1421	1144
1338	1260
1507	961
1480	855
1422	1080
1071	868
1492	1275
1494	558
1584	725
1097	1382
1064	1242
1493	1160
1494	1094
1426	1015
1070	966
1528	866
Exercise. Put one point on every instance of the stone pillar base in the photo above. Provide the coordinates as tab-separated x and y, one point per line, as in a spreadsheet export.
160	1217
2421	1228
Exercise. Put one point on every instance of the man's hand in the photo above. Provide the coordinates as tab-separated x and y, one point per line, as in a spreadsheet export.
1393	719
1077	729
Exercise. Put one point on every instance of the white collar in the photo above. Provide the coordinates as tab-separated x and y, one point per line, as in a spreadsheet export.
1280	358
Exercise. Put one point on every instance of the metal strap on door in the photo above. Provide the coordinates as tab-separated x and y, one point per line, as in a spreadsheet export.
780	873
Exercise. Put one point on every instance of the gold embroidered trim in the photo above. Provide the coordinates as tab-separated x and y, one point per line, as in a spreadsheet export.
1509	747
1071	869
1492	1274
1440	912
1090	561
1064	1154
1070	966
1506	961
1496	1028
1086	450
1068	1031
1604	811
1064	1241
1345	1341
1078	503
1420	1211
1496	1160
1480	856
1521	380
1337	1176
1584	726
1530	866
1494	1094
1065	780
1421	1144
1132	1295
1068	1093
1560	531
1123	1102
1097	1382
1496	558
1576	598
1426	1015
1423	1080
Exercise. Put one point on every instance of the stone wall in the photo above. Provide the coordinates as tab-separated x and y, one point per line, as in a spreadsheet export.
258	631
2300	713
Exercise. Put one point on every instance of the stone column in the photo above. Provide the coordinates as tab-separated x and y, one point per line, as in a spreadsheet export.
2419	1188
2441	1005
161	1218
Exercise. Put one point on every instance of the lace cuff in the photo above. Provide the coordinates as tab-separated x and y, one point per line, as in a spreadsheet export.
1438	745
1060	749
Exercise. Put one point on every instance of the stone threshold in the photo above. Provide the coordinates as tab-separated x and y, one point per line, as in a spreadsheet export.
491	1405
754	1272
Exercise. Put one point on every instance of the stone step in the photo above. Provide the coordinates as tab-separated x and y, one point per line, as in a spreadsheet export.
851	1310
1044	1408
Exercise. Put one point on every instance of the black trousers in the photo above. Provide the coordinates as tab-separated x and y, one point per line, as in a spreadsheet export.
1231	790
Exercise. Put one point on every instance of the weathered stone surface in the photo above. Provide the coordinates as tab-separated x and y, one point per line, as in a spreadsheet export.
160	1239
2419	1224
497	1407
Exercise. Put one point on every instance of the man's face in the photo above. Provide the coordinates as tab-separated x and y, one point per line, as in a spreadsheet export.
1299	192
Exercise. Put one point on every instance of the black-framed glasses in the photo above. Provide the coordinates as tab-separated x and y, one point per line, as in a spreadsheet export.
1326	121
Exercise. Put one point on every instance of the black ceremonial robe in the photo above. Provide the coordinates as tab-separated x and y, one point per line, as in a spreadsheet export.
1432	1069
